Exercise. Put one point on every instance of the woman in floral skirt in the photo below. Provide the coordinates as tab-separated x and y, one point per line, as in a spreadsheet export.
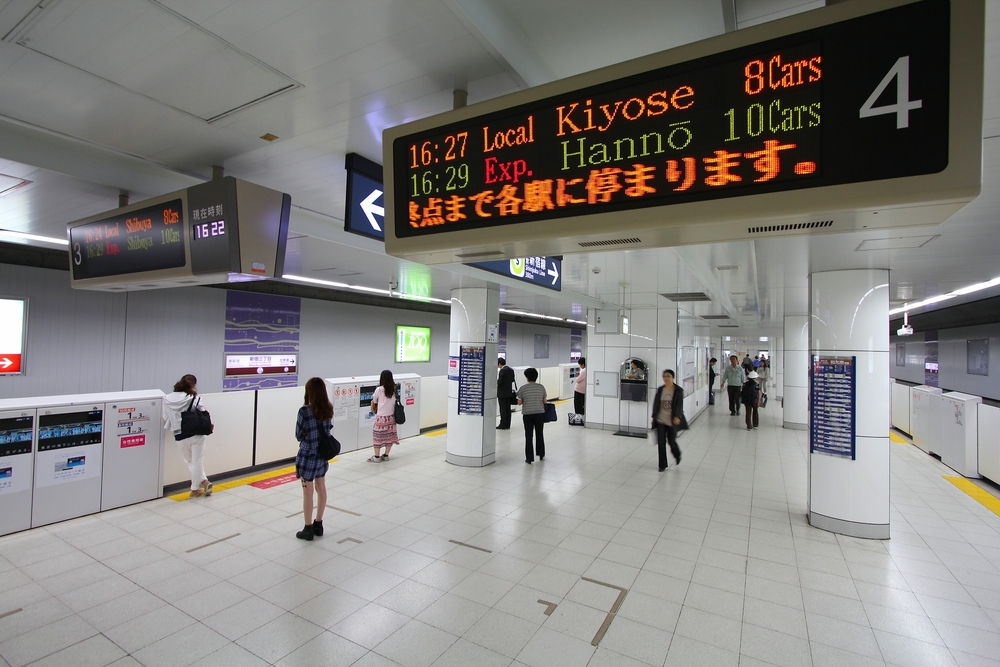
384	408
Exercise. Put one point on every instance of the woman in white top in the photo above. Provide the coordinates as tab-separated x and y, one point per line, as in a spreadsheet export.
384	409
185	397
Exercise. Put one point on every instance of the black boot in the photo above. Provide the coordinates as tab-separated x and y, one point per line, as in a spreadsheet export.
305	534
317	528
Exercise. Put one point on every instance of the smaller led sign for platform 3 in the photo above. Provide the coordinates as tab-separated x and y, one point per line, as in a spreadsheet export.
413	344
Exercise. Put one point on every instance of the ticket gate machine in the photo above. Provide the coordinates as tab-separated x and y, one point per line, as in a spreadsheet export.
17	453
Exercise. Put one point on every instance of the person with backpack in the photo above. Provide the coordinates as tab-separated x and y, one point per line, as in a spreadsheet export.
314	418
384	408
184	398
668	418
750	397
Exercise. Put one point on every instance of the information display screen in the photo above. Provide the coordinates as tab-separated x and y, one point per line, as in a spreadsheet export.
72	429
148	239
861	100
413	344
13	315
15	435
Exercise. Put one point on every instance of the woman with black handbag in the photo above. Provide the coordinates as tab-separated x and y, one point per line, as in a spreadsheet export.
190	422
385	406
312	430
668	419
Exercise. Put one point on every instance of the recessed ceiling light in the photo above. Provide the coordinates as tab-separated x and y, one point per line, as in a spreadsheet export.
728	267
24	236
269	137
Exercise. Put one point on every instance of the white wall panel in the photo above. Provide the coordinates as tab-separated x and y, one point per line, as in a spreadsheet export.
229	448
74	338
434	401
170	332
989	442
277	410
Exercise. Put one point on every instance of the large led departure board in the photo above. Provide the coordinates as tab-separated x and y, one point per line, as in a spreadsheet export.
148	239
866	98
860	100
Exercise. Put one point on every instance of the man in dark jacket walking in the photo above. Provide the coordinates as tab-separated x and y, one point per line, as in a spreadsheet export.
668	418
505	392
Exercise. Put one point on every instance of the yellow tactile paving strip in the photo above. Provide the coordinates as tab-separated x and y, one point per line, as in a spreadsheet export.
242	481
895	437
977	493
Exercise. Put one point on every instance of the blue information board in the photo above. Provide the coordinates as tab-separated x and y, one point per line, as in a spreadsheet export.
542	271
832	394
364	212
471	380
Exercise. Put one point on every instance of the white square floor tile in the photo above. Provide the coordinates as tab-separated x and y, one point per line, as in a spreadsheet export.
279	637
416	644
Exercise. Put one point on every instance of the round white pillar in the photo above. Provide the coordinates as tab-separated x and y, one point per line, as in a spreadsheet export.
475	320
849	320
795	377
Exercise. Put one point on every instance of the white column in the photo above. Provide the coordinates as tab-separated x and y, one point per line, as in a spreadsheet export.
778	367
795	380
849	317
475	315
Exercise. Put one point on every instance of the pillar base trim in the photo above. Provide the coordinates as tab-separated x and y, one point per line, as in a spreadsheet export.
795	427
470	461
867	531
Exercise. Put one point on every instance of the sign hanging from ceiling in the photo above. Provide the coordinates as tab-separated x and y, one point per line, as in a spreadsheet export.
13	314
364	213
850	101
542	271
200	235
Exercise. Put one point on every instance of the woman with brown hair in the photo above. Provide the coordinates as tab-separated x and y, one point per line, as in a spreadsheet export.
314	418
185	397
384	408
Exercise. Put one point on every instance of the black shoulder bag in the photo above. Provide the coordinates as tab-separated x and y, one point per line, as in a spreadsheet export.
328	447
399	413
195	422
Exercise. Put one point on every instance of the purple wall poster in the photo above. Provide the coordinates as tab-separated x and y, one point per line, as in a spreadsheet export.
262	341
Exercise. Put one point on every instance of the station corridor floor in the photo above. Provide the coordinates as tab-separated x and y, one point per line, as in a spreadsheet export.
426	564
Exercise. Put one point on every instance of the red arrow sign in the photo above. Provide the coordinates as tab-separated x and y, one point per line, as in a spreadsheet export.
10	363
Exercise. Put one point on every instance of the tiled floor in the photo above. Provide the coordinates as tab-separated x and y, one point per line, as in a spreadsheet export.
720	565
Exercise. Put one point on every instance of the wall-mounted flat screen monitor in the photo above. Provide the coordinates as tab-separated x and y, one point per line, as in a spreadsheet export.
413	344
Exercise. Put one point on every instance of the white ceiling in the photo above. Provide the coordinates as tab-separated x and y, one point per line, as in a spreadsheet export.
130	82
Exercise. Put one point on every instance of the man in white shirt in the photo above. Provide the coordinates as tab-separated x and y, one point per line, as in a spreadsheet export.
734	377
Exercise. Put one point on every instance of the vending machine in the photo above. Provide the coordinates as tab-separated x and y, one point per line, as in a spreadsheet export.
133	450
68	462
17	447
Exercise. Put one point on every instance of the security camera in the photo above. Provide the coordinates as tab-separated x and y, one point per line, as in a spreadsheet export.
905	330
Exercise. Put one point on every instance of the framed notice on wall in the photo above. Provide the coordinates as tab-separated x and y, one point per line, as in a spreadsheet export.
832	395
978	353
471	380
13	314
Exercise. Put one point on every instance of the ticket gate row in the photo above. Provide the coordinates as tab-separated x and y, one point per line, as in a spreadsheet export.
67	456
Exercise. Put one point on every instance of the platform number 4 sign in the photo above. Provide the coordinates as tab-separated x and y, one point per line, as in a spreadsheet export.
901	73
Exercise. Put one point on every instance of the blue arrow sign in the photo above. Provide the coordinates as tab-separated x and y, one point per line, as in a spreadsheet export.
542	271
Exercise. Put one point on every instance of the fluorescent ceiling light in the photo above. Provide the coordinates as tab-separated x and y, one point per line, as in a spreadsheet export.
24	236
945	297
763	339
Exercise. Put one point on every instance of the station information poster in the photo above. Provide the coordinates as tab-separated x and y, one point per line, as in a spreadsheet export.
261	364
345	402
66	451
132	426
471	380
12	314
833	389
15	441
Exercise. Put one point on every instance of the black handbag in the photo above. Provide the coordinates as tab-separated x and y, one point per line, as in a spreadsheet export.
195	422
550	413
399	413
329	446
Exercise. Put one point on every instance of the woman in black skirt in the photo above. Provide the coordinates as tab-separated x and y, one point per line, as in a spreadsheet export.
310	467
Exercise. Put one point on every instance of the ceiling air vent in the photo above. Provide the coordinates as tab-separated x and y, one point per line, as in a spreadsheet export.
728	326
790	228
479	255
715	317
686	296
728	267
609	242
